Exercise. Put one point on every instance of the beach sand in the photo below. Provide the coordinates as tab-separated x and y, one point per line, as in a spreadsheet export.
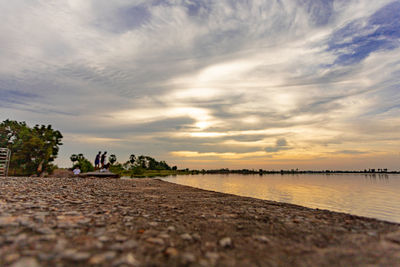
148	222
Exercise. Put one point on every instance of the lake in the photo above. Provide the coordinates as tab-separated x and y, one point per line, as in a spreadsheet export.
369	195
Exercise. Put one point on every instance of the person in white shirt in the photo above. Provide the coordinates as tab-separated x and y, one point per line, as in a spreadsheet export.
77	171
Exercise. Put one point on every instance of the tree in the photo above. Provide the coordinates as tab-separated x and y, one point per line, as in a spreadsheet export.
73	158
132	159
112	159
32	149
142	161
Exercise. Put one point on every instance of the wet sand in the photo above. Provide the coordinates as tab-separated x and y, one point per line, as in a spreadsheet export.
148	222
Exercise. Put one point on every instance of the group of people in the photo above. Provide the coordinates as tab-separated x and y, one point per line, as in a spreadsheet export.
100	162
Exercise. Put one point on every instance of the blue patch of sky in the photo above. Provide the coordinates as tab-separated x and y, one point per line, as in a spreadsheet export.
354	42
194	7
320	11
8	97
124	19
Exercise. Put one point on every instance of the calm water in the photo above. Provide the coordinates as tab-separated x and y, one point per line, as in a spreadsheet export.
376	196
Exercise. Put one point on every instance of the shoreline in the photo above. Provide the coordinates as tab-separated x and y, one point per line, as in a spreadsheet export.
143	222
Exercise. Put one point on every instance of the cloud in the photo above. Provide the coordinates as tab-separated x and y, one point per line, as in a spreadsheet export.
281	144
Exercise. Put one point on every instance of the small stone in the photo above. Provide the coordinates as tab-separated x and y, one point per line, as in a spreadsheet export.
164	236
128	259
262	238
196	237
128	219
120	238
225	242
72	254
48	237
130	244
109	255
11	257
26	262
372	233
97	259
153	223
45	231
8	221
60	245
171	229
213	257
46	256
186	237
104	238
171	252
155	240
188	258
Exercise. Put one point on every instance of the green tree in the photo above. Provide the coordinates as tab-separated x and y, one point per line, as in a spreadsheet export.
132	159
32	149
73	158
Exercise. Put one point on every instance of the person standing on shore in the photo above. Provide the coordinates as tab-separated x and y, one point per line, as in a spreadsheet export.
97	161
103	159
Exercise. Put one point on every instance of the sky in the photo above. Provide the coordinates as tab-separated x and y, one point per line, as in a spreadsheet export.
277	84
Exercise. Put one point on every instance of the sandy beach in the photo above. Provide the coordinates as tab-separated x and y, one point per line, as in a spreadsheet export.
148	222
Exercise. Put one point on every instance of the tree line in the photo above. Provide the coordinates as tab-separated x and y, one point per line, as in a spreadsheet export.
135	164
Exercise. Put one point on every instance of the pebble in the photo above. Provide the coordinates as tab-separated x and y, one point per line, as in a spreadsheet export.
213	257
164	236
104	238
97	259
155	240
130	244
171	252
196	237
72	254
225	242
100	258
262	238
171	229
128	259
188	257
120	238
26	262
186	237
11	257
45	231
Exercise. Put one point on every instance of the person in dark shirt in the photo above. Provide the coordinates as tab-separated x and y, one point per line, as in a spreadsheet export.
97	161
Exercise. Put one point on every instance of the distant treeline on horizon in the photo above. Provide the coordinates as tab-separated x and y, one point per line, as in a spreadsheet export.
294	171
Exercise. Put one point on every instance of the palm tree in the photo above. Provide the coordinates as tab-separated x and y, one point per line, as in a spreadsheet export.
73	158
112	158
132	159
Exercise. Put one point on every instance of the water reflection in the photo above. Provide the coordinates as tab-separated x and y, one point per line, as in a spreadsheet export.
370	195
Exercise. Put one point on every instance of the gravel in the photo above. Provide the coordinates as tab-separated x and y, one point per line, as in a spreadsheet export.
148	222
